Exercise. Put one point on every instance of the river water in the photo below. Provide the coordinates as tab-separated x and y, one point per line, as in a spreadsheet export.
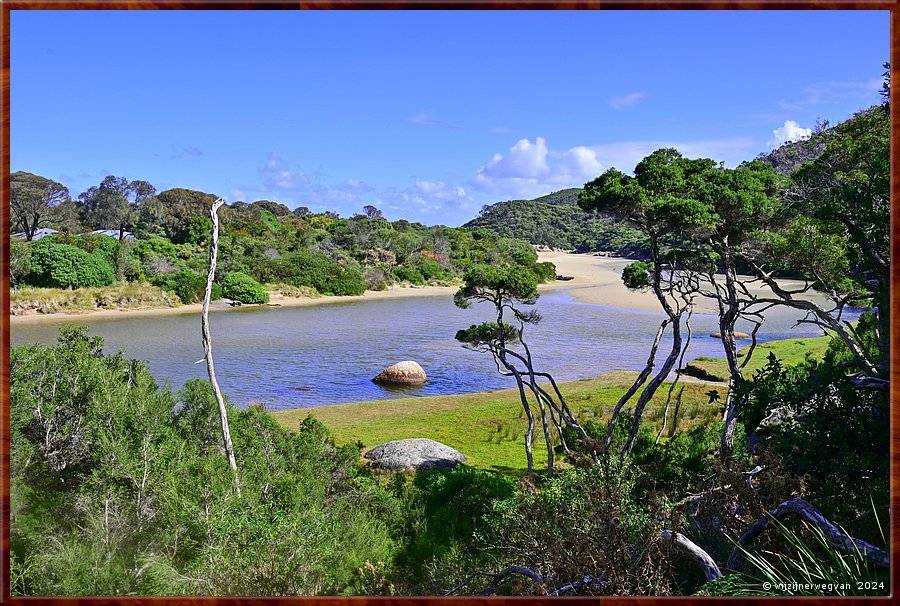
292	357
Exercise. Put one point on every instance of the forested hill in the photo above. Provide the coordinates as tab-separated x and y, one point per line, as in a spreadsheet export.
790	156
555	220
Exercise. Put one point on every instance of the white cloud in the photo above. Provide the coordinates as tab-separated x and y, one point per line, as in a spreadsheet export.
277	175
532	169
790	132
355	186
526	160
425	200
829	92
535	169
626	100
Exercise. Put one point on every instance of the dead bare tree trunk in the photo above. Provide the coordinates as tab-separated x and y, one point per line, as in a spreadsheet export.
704	560
207	343
799	507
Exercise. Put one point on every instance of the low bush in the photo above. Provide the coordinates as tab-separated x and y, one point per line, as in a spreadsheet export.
121	487
241	287
409	274
55	265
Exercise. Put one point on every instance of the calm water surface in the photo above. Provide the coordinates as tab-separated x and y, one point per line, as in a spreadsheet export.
294	357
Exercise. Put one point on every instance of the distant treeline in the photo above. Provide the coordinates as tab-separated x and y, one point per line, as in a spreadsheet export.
161	238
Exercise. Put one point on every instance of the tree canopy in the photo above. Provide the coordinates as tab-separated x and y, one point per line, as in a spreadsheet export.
32	199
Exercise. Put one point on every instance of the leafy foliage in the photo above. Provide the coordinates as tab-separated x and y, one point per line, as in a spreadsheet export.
241	287
554	220
56	265
120	487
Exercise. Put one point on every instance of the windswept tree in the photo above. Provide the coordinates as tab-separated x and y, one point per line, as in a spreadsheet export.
649	201
32	200
505	287
371	211
173	210
835	234
115	203
830	228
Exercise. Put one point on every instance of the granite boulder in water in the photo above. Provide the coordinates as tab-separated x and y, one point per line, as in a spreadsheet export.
414	453
403	373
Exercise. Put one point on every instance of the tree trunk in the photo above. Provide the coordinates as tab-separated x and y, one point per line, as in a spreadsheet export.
704	561
799	507
207	344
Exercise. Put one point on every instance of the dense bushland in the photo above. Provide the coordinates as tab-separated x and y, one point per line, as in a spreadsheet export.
120	487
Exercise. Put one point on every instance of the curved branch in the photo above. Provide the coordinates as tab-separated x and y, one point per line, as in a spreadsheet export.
703	559
799	507
638	382
497	578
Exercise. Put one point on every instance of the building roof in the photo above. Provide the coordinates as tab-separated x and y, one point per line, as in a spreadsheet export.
38	233
114	233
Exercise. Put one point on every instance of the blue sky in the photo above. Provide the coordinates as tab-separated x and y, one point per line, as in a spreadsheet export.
427	115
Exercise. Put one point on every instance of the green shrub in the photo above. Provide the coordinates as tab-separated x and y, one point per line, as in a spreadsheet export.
241	287
121	487
546	271
834	433
198	230
583	522
409	274
56	265
327	276
189	287
19	262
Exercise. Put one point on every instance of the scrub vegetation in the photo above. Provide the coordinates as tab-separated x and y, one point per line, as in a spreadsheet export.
773	477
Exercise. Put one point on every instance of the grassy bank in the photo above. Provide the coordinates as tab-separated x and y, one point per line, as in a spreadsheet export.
489	427
128	295
789	351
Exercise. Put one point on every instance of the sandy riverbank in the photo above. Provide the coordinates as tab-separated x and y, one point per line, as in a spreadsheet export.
598	280
595	280
276	300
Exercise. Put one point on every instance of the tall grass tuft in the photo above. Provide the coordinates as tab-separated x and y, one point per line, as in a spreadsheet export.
803	567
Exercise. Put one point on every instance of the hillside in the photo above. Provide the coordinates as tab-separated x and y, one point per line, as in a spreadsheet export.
556	221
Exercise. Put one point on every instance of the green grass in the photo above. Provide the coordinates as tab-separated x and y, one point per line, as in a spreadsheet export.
489	428
789	351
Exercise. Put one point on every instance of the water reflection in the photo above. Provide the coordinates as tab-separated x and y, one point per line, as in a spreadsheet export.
308	356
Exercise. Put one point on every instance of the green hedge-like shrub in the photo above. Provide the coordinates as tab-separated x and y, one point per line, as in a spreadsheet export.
409	274
189	287
546	271
56	265
319	271
238	286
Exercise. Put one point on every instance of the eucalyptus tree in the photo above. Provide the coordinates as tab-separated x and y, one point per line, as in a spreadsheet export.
649	201
32	200
834	232
504	287
115	203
